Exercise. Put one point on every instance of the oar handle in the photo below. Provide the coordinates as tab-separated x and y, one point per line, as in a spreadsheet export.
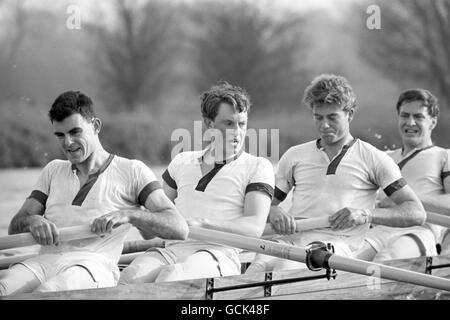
439	219
65	234
303	225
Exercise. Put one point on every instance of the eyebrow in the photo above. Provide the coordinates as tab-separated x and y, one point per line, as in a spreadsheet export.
71	131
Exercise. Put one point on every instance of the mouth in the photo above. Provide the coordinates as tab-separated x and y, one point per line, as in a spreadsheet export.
73	151
410	131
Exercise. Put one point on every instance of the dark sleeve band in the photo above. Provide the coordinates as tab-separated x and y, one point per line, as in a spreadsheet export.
280	195
149	188
394	186
39	196
168	179
445	174
259	186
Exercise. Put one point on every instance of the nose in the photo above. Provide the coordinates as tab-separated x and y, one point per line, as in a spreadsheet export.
67	140
410	121
324	124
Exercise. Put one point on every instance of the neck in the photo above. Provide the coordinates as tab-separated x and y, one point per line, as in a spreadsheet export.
408	147
94	162
219	156
337	146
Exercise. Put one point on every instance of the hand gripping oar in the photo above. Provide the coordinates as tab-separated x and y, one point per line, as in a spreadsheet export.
319	258
302	225
65	234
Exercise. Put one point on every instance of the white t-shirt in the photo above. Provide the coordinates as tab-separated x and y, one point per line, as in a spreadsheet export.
322	187
120	184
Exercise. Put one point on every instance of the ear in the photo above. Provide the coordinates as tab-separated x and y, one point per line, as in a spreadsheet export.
351	113
208	123
97	125
433	123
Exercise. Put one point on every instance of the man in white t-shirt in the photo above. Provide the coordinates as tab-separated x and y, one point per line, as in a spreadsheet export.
426	168
221	187
91	187
337	176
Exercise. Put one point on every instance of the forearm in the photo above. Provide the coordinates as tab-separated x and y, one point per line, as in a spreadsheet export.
407	214
437	203
20	223
166	223
247	226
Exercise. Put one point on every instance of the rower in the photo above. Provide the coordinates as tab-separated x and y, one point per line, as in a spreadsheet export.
92	186
426	168
221	187
337	176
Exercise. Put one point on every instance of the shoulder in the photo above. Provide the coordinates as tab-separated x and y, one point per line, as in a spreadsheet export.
57	164
297	151
253	160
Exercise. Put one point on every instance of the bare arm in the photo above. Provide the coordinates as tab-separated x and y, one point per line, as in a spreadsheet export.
438	203
402	209
252	223
170	192
161	219
30	219
407	211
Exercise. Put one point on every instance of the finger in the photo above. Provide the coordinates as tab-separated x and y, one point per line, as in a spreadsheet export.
48	233
55	233
110	224
40	236
104	223
339	221
335	216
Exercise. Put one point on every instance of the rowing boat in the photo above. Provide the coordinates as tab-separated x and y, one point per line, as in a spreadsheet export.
293	284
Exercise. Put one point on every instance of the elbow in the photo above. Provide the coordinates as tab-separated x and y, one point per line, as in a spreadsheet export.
419	217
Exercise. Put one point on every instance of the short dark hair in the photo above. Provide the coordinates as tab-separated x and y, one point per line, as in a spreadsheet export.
69	103
419	94
235	96
330	89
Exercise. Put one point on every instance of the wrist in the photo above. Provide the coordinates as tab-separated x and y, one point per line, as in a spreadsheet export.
368	216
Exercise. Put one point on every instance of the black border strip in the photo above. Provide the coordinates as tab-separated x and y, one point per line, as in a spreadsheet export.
280	194
402	163
332	167
39	196
394	186
84	190
260	186
147	190
168	179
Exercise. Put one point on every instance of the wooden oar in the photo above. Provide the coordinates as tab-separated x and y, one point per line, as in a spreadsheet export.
334	261
439	219
65	234
302	225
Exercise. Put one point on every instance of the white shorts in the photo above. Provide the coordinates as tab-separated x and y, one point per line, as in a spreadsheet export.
380	237
46	266
227	257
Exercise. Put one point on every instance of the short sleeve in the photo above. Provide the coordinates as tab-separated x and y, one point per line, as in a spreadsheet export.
145	181
284	178
262	178
41	188
170	174
387	174
446	165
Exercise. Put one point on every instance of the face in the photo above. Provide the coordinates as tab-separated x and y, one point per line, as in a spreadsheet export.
77	137
231	126
332	123
415	124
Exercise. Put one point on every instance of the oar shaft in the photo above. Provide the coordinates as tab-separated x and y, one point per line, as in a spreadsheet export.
65	234
335	261
303	225
439	219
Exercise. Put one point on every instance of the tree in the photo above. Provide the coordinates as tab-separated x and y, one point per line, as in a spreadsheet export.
238	42
132	54
413	44
14	20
